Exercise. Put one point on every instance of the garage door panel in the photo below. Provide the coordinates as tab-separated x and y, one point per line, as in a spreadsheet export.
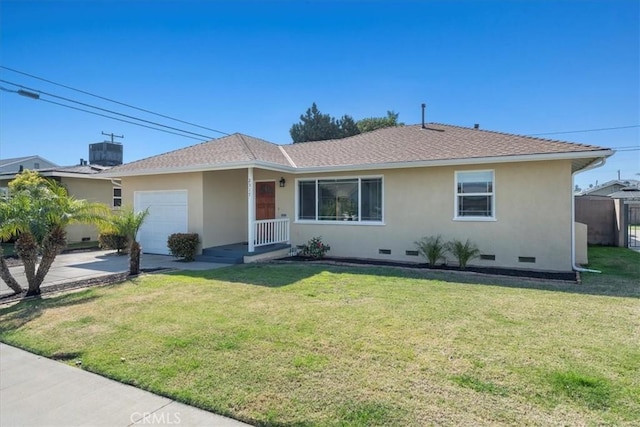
167	215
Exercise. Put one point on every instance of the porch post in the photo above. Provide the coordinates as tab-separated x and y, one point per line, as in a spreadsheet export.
250	209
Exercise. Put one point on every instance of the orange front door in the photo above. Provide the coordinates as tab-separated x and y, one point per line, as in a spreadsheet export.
265	200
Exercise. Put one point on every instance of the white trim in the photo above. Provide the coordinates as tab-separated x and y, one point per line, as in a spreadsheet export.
251	209
492	194
369	166
359	178
286	155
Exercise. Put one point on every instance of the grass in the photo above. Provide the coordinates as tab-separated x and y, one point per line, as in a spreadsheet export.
306	345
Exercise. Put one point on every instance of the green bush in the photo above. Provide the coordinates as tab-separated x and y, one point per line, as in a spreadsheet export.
113	241
183	245
315	248
432	248
464	252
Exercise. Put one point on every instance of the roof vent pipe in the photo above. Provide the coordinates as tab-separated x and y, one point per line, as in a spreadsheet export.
476	126
423	107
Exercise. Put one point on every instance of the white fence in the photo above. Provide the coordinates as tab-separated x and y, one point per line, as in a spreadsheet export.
270	231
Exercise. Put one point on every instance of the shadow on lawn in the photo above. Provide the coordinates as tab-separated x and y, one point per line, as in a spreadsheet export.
276	274
24	311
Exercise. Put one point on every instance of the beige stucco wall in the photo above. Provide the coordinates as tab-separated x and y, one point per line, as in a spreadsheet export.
192	182
533	216
533	212
225	207
92	190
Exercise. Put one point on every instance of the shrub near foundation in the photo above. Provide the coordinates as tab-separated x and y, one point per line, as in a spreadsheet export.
183	245
463	252
113	241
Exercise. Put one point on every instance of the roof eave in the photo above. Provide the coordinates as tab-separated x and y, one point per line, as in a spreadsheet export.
200	168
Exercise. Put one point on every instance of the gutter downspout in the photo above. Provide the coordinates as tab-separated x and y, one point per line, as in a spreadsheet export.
575	267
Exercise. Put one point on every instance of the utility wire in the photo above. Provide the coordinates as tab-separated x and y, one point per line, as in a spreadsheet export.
111	100
584	130
105	109
116	118
104	115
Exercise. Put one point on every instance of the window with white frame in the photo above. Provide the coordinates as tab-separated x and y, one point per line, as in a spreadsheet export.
475	195
345	199
117	197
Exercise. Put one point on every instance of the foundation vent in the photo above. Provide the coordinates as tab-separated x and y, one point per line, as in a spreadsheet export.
411	253
486	257
384	251
529	259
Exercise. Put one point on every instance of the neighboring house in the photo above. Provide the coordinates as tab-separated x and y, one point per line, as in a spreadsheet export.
17	164
609	187
82	182
371	195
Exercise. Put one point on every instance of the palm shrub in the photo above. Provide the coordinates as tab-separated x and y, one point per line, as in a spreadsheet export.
183	245
36	213
463	252
126	222
433	248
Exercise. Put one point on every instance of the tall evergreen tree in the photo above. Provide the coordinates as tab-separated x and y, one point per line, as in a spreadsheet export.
315	126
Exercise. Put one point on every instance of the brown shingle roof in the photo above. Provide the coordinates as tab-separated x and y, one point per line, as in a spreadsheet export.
404	144
413	144
236	148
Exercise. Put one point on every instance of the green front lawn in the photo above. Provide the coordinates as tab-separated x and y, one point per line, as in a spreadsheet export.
326	345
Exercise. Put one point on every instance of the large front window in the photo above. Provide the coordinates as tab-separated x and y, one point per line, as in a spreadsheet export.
475	197
346	199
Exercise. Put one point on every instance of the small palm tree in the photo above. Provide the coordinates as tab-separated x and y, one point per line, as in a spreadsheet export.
464	252
37	211
128	223
432	248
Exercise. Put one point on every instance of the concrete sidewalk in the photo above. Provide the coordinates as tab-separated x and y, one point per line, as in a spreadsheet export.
83	265
36	391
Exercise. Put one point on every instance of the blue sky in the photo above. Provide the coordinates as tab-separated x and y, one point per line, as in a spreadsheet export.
524	67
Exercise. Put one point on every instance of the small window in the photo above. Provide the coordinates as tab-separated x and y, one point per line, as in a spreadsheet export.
117	197
36	165
475	195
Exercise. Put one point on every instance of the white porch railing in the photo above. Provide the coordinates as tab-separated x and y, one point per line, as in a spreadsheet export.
270	231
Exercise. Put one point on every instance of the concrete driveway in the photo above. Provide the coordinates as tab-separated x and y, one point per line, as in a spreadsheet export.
81	265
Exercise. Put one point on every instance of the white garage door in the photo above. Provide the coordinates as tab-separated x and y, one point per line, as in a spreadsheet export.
167	215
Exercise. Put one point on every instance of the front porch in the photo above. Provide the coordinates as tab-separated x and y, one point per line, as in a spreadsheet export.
238	253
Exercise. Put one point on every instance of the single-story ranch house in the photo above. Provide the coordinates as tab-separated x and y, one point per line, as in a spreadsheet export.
371	195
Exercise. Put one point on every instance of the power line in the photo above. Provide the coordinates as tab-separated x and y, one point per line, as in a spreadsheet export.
104	115
111	100
105	109
115	118
584	130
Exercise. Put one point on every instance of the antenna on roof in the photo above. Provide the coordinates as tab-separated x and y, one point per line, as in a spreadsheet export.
423	108
113	136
